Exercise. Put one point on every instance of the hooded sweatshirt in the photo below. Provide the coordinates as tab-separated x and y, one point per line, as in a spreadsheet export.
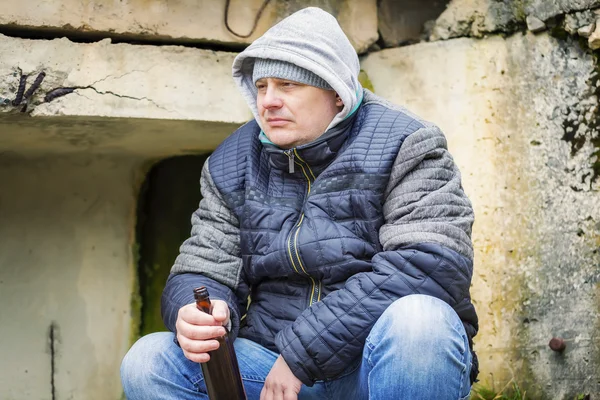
311	39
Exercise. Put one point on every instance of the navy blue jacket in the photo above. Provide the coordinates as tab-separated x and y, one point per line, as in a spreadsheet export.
330	234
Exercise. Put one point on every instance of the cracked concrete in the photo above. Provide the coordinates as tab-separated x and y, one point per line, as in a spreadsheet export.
81	92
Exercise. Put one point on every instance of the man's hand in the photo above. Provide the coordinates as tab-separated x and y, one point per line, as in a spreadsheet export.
196	330
281	383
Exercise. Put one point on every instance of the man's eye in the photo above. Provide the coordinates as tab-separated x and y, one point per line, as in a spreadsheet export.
260	87
289	84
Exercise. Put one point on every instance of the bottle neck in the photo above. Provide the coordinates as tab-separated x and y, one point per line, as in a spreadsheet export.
204	305
203	300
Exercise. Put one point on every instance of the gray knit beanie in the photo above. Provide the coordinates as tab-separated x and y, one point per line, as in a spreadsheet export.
268	68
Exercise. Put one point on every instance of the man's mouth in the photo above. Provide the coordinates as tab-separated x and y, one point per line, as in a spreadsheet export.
277	121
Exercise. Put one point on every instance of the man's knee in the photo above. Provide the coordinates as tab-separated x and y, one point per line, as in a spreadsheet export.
417	319
144	359
419	345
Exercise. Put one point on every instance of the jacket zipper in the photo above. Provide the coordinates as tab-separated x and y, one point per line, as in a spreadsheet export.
315	295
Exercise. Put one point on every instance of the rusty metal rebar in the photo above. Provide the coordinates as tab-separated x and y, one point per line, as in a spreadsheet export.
53	94
557	344
35	86
20	91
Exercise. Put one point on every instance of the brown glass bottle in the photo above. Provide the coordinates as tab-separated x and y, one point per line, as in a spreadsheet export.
221	372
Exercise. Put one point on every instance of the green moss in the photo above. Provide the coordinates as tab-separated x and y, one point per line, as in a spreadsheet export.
559	33
511	391
524	371
595	124
596	355
571	128
519	10
519	301
364	80
135	302
596	155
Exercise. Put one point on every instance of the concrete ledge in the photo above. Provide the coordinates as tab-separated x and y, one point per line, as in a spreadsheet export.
200	21
144	138
146	100
122	80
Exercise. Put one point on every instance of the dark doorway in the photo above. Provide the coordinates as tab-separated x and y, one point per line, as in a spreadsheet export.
168	198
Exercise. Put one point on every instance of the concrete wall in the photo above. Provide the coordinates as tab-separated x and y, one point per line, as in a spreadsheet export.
66	264
506	106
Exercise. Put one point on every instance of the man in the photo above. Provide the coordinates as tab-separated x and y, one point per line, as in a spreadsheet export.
334	234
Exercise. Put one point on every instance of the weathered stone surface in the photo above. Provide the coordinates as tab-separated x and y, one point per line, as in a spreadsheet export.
586	31
545	9
535	24
479	17
576	21
197	21
403	21
594	38
521	119
473	18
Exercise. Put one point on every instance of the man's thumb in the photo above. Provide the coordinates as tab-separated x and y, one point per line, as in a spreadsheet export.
220	310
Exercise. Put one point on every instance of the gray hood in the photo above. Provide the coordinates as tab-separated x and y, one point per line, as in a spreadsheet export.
312	39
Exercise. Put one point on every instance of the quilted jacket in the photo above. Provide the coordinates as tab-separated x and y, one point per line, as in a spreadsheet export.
309	260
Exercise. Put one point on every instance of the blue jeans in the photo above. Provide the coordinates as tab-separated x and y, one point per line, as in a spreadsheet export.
417	349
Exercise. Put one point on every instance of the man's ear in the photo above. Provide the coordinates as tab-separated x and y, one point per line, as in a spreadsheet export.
338	100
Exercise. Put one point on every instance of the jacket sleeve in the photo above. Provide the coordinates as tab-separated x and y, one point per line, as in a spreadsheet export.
210	257
426	249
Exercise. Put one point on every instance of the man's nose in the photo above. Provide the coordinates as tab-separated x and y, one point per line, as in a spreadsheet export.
271	98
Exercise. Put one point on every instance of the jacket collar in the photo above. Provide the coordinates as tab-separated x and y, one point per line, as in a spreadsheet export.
318	154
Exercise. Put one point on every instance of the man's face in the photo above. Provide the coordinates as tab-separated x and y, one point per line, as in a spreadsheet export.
293	113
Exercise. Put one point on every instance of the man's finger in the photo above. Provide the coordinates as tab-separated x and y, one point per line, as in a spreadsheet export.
265	394
197	357
197	346
193	316
195	332
289	394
